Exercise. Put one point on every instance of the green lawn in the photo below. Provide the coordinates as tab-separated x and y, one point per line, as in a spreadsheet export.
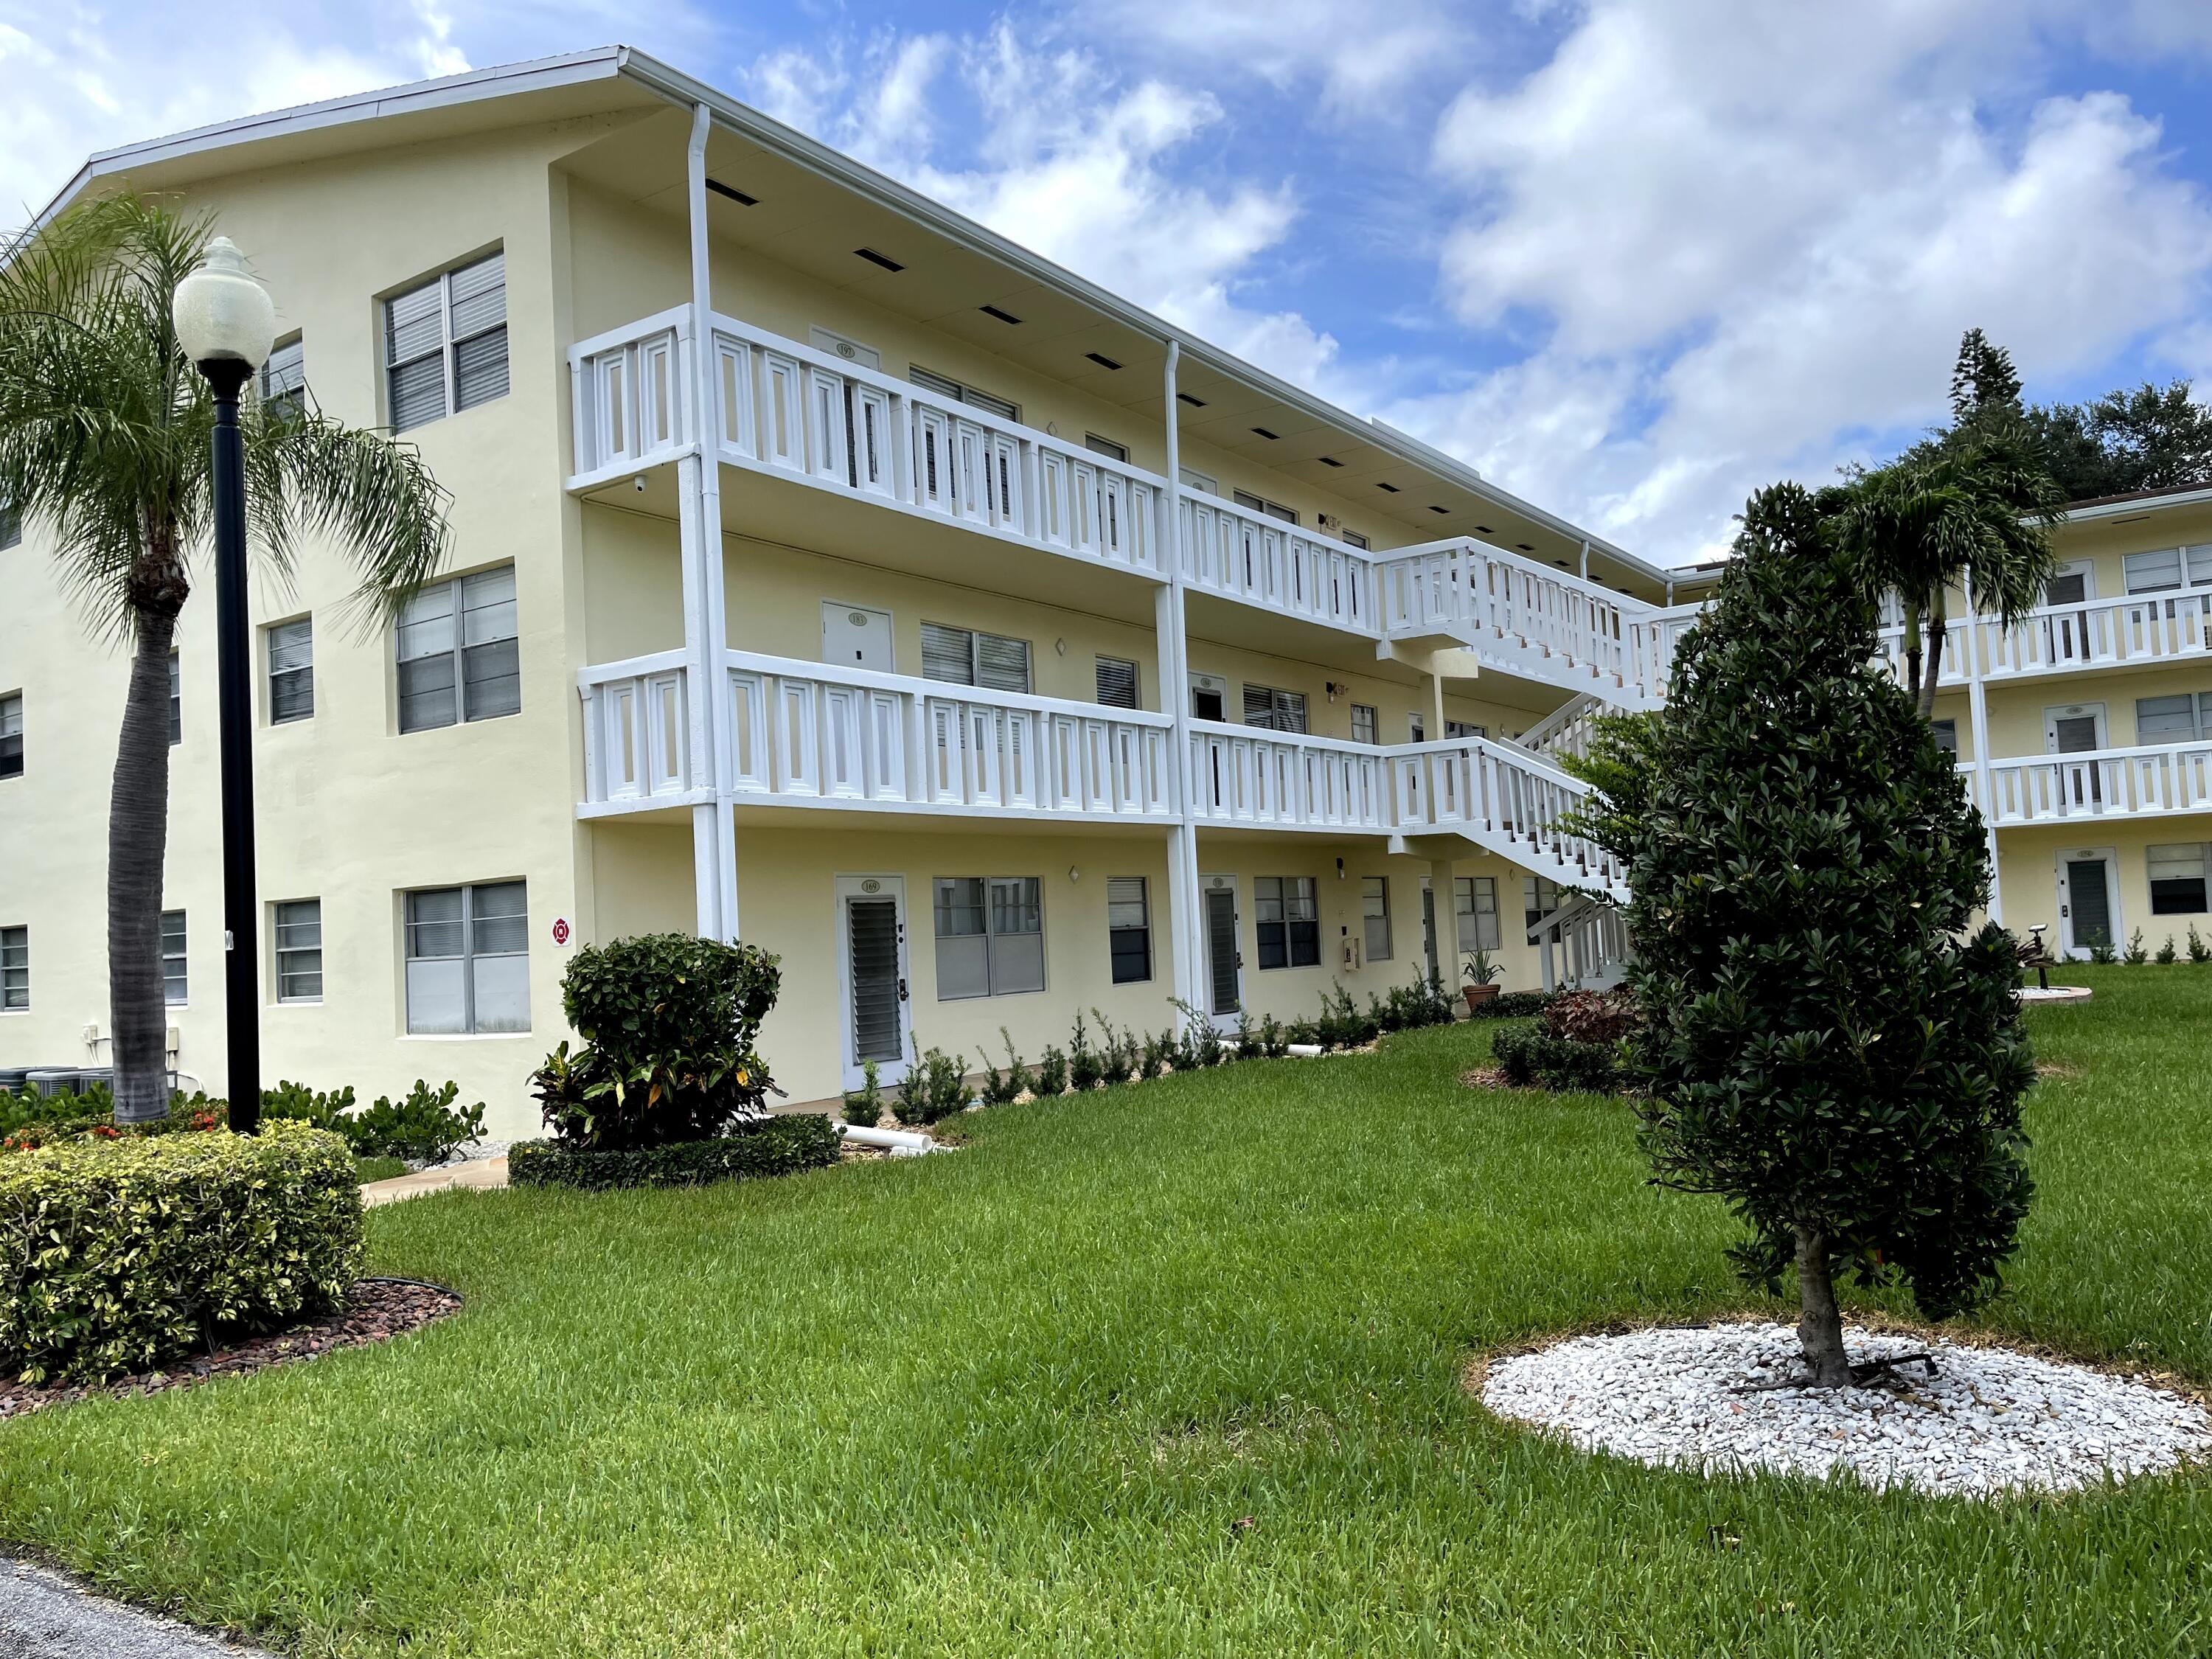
1173	1370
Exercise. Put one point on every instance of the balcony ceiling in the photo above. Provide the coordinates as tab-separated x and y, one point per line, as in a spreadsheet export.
814	230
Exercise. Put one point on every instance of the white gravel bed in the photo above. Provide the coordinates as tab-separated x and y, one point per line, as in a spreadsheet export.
1989	1421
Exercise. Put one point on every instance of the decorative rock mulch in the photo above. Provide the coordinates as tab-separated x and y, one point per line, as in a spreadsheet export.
375	1310
1989	1421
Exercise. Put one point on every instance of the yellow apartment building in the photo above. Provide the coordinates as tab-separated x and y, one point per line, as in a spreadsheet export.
832	574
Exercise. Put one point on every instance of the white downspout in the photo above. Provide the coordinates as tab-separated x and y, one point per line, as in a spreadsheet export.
1187	935
711	642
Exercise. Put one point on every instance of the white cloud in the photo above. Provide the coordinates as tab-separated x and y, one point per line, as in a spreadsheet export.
1773	223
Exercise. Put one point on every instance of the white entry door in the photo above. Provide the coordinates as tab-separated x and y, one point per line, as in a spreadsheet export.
2088	900
1224	954
872	976
856	636
2066	635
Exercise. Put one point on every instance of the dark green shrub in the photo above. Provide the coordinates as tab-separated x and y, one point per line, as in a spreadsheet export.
668	1024
2102	953
1349	1025
762	1146
1003	1088
116	1255
1082	1068
2166	954
424	1127
296	1102
1515	1005
936	1087
1823	1043
1117	1051
1051	1076
1303	1034
1198	1043
864	1110
1534	1058
1273	1045
1158	1054
2198	950
2137	955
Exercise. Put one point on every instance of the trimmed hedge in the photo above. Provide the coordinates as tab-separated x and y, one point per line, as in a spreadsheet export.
1514	1004
1531	1057
115	1255
768	1146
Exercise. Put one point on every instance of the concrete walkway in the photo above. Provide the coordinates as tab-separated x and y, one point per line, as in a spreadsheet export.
46	1616
479	1174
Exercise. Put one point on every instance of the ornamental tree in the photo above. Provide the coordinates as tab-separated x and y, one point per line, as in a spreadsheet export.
1826	1044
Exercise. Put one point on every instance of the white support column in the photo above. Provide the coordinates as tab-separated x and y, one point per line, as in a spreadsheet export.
1977	706
1443	909
1435	701
1186	926
1585	560
705	615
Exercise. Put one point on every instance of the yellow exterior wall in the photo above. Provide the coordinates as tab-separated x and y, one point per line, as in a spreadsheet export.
2028	860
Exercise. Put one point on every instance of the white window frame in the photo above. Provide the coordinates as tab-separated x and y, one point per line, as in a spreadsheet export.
1284	707
469	956
302	630
11	725
457	619
2200	852
976	637
1469	915
15	969
1288	891
1136	682
995	971
179	977
286	950
1143	900
2200	718
1261	504
449	344
961	392
1112	450
176	698
1373	724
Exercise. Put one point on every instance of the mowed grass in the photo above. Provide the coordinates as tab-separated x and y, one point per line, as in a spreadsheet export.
1174	1370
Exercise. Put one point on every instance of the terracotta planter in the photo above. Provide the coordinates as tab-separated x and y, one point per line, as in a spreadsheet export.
1479	994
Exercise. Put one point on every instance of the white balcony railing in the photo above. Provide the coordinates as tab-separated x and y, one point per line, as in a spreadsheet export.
804	733
2145	629
1232	550
1501	797
1287	781
2099	783
781	407
637	743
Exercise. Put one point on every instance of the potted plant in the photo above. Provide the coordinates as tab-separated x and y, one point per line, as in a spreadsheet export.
1482	977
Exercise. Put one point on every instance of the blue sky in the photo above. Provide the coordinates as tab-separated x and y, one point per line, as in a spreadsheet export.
1631	257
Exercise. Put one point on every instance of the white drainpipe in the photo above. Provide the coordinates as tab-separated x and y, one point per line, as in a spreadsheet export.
899	1143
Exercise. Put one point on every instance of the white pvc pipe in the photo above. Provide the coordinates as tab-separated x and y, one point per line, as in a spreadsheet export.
888	1140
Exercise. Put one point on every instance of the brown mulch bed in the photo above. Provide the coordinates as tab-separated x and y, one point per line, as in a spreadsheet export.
375	1310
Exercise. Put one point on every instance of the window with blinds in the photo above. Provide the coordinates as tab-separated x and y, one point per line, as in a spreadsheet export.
176	700
291	671
468	959
1128	929
1375	916
458	652
2177	879
2185	717
946	386
297	930
990	936
283	379
1474	898
11	735
2168	567
962	656
1261	504
14	969
1285	711
1287	922
174	983
1365	728
1106	447
445	343
1117	683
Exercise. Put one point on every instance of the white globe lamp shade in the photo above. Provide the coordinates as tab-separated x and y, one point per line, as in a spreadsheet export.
221	314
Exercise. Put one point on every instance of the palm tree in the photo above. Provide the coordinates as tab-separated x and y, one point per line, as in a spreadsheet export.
104	431
1974	509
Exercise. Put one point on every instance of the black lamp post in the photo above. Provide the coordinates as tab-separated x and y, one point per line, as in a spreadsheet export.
225	323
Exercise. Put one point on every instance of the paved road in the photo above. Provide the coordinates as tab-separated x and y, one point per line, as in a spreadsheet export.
44	1615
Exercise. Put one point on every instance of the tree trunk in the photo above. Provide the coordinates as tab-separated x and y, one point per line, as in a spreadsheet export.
1820	1322
1912	647
137	846
1926	688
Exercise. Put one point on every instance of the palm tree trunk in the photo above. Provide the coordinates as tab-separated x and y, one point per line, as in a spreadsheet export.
137	845
1819	1322
1912	646
1925	690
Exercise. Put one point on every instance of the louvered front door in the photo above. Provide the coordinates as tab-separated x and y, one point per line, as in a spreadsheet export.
872	917
1224	962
